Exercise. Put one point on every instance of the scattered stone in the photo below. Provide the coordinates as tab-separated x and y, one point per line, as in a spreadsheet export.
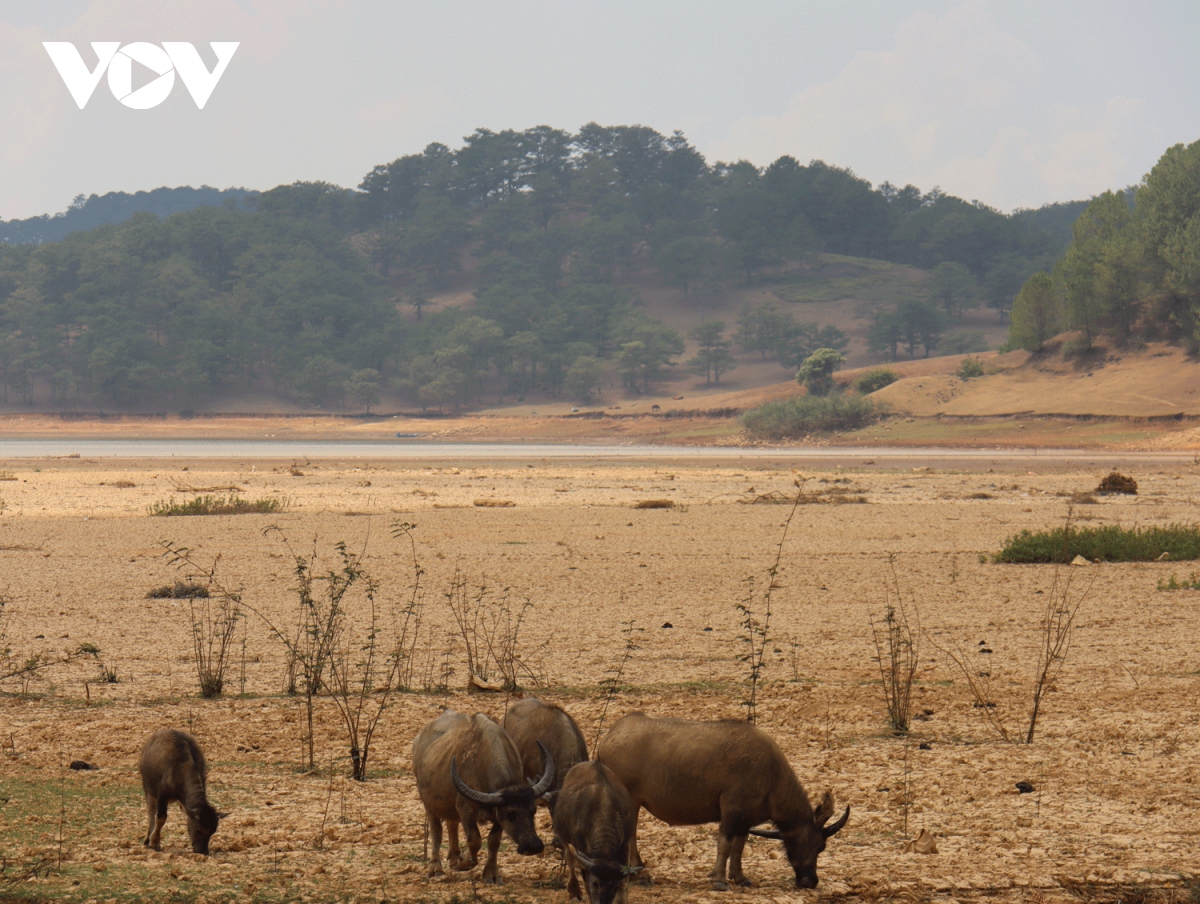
1080	561
82	766
1025	787
925	745
667	624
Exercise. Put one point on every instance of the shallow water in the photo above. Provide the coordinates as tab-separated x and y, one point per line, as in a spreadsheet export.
416	449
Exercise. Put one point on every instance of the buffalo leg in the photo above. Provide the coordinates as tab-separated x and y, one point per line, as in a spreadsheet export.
573	886
160	820
635	857
491	873
435	843
736	845
151	817
474	841
718	871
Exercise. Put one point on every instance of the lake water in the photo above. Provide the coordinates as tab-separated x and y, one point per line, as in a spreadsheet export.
413	450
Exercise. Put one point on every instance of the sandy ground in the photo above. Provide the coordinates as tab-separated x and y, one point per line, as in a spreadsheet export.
1115	763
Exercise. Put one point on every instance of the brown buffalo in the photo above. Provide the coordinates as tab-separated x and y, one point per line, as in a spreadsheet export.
594	821
731	773
468	770
530	722
173	768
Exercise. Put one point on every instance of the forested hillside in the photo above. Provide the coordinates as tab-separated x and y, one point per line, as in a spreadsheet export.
1132	270
322	295
115	207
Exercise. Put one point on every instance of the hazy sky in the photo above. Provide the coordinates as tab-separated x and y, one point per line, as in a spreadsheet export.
1010	102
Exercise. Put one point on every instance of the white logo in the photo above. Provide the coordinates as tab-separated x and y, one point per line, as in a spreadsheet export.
165	61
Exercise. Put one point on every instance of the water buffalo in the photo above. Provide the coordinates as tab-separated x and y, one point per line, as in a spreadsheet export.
531	721
594	821
688	773
173	768
467	769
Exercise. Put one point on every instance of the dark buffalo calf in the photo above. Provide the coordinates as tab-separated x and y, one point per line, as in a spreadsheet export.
173	768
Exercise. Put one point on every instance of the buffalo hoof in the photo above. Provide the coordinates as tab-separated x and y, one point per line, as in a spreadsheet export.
492	878
742	881
642	878
434	872
720	885
464	864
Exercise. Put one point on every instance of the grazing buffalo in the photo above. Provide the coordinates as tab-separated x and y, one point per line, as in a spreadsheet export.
688	773
531	722
173	768
468	770
594	821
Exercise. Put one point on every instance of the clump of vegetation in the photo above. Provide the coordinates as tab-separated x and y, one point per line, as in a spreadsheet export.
970	368
1192	583
816	373
7	475
654	504
897	653
1117	483
874	380
810	414
219	505
180	590
1110	543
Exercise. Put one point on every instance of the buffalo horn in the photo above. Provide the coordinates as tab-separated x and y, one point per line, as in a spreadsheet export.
766	833
491	799
834	827
547	779
585	862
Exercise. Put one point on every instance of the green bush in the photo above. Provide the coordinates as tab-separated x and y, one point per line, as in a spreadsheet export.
218	505
1111	543
875	379
810	414
970	367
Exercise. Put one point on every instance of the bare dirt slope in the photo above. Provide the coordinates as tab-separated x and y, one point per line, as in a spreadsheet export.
1115	763
1156	382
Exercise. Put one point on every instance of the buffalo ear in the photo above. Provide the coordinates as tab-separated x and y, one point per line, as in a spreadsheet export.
221	816
824	810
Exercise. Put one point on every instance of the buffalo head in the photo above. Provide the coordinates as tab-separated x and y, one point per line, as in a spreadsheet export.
513	807
805	842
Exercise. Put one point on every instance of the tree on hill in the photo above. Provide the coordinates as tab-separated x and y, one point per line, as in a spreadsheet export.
714	357
816	373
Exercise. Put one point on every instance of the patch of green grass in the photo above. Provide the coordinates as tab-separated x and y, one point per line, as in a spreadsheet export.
1111	543
802	415
219	505
835	277
1192	583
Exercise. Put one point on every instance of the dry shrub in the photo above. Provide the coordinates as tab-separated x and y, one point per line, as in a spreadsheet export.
897	652
654	504
1117	483
214	620
494	503
217	505
1084	499
123	484
489	627
180	590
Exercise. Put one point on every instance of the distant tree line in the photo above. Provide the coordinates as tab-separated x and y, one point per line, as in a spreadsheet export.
1132	270
322	292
